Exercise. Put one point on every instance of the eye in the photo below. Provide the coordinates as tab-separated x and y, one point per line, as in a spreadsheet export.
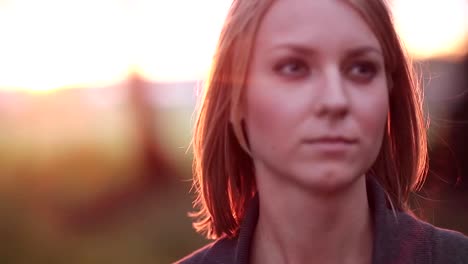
363	71
292	68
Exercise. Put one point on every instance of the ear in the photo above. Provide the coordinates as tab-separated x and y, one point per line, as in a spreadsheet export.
237	111
237	122
390	83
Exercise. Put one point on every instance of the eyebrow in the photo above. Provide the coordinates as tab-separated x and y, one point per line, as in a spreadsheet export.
303	50
363	50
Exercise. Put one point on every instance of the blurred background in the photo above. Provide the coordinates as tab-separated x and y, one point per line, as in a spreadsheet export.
96	113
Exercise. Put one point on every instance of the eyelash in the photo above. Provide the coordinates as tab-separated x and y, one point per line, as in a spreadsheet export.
281	68
301	69
371	70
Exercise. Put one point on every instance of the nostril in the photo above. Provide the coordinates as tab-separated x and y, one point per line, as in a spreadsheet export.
334	106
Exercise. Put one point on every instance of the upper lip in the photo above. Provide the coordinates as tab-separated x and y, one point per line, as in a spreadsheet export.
332	139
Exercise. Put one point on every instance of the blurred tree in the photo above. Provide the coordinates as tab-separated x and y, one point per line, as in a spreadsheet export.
155	170
459	132
446	189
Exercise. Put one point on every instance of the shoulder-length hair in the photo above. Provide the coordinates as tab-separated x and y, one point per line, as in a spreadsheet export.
223	170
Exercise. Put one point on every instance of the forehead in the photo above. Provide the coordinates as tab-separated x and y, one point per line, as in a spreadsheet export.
322	23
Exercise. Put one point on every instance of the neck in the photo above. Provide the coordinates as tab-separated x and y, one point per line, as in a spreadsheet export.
300	227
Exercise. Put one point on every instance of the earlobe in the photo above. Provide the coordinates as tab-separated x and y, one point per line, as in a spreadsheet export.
390	84
244	132
238	126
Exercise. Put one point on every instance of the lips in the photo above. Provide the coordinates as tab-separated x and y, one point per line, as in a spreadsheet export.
332	140
330	146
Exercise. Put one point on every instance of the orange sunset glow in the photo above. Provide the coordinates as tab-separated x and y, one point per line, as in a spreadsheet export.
53	44
433	28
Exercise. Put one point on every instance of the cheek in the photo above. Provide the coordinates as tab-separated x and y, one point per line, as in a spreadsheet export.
259	118
373	118
267	120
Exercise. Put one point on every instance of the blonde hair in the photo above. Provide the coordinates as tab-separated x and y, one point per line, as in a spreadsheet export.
223	170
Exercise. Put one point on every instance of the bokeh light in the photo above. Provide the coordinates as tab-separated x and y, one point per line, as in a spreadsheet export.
433	28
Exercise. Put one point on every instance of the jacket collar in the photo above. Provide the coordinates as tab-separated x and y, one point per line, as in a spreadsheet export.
397	238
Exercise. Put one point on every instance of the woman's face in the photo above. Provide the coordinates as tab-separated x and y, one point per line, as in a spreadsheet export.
316	98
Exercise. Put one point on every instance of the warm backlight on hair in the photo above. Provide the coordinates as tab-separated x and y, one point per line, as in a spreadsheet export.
53	44
433	28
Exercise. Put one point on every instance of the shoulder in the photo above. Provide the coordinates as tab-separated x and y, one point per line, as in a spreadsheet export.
449	246
219	251
196	256
444	246
226	250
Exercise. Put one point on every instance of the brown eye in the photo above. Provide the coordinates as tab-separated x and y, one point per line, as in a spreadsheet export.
363	71
292	68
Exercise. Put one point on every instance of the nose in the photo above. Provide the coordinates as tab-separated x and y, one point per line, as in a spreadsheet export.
333	98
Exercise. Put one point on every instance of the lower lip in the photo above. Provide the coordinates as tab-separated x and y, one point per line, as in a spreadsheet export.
331	147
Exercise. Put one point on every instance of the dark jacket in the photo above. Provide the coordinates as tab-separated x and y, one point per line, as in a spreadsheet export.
399	240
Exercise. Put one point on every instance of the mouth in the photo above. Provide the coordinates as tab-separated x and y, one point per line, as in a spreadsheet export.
331	140
331	145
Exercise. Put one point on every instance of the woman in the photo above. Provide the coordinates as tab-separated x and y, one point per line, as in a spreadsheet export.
310	138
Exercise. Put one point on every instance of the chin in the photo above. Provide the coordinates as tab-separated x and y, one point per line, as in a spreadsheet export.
328	178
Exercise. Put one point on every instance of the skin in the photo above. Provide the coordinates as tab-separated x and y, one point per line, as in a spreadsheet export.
316	106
